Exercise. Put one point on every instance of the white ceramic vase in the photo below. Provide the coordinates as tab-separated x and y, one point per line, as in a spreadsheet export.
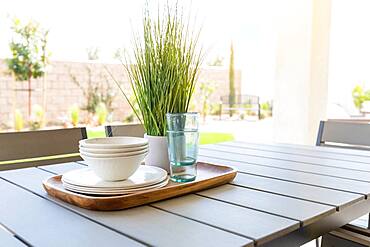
158	152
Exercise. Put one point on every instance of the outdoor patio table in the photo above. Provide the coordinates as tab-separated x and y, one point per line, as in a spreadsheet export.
283	195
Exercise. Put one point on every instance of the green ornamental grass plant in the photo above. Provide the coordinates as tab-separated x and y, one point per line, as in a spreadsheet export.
164	68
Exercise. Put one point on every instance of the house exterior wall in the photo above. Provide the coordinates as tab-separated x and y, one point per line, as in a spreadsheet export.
301	85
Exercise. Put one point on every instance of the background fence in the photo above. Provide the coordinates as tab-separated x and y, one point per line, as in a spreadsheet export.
57	91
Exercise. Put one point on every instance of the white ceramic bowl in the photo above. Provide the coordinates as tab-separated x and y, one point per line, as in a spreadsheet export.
114	169
114	142
114	155
113	150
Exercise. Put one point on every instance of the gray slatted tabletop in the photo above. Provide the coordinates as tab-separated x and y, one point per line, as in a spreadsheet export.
283	195
8	239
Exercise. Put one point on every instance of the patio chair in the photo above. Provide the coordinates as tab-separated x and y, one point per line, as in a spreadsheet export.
37	148
344	134
135	130
355	135
345	238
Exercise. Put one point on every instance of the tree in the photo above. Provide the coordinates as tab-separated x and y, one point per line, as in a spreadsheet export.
231	80
92	53
119	54
217	61
29	54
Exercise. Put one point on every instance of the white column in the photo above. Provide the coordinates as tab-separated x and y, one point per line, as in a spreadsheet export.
301	88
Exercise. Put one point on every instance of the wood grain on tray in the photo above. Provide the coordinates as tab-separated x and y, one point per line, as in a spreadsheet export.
208	176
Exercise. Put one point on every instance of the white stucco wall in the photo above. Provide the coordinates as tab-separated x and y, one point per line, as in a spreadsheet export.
300	99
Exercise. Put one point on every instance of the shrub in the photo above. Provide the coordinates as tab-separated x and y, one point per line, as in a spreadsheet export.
95	92
18	120
266	110
205	91
74	112
37	119
360	96
266	106
251	113
101	113
215	109
129	118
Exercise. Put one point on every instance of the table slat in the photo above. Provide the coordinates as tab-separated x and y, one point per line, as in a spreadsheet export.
236	154
314	210
328	149
294	176
304	216
62	168
283	189
7	239
338	199
293	158
260	226
145	223
42	223
304	211
294	150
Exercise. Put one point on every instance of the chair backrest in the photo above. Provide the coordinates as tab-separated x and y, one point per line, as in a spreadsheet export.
344	134
24	149
135	130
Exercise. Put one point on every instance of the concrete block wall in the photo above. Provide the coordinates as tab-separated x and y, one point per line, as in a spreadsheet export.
61	92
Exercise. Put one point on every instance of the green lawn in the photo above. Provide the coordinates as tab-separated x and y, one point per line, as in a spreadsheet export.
211	138
95	133
205	137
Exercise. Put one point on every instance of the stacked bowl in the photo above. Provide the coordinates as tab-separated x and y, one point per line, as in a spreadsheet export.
114	158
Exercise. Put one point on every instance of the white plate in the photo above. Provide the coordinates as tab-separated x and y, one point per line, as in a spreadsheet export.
126	154
144	176
114	142
117	192
112	151
82	188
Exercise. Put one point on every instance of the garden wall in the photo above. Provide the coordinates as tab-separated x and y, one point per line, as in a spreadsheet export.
57	92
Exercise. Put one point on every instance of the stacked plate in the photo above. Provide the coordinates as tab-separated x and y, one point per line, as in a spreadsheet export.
114	158
85	181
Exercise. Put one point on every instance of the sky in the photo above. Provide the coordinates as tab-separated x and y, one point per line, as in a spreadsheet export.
77	25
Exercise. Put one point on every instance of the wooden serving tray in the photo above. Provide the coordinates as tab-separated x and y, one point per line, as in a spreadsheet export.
208	176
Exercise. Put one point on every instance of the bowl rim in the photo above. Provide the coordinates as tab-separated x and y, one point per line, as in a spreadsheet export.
116	150
126	154
139	142
111	158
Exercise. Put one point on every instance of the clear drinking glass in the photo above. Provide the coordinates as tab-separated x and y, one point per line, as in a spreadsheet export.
183	141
